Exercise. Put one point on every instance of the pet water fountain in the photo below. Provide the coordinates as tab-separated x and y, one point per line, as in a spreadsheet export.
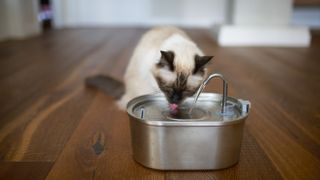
205	133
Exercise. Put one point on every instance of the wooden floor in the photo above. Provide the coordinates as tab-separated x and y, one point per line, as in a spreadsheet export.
52	127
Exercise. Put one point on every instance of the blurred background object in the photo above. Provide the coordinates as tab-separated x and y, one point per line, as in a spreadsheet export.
233	22
19	18
45	15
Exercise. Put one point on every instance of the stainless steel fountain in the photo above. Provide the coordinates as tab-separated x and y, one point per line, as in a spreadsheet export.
206	135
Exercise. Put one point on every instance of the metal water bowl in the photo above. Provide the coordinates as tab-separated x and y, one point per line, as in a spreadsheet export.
207	138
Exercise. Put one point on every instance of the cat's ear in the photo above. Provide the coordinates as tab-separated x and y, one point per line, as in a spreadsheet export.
166	60
200	62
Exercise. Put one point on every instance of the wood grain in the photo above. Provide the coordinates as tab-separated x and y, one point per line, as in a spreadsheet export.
52	127
103	151
306	3
24	170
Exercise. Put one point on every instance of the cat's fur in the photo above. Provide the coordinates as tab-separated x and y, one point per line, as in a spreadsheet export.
165	60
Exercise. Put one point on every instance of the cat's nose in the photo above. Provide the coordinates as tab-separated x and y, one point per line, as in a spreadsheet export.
176	98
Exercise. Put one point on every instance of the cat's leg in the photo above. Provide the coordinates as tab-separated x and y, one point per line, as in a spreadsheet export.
131	91
122	103
135	86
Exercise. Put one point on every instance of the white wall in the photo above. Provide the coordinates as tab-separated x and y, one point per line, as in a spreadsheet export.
74	13
261	23
18	18
262	12
3	20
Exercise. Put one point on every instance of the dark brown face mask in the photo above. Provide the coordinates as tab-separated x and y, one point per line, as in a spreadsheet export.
177	91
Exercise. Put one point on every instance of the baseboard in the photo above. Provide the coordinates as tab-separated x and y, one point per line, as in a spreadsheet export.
232	35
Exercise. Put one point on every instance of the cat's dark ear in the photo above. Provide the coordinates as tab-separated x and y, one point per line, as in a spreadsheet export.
200	62
166	60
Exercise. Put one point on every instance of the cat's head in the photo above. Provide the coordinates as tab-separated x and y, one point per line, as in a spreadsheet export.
178	81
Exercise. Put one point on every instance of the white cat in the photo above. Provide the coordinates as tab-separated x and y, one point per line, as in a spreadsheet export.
165	60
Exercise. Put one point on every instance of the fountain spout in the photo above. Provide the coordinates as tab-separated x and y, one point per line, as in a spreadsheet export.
203	85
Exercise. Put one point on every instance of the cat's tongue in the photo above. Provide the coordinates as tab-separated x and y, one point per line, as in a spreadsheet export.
173	107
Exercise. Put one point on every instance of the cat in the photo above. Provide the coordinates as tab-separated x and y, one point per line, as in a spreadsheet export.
165	61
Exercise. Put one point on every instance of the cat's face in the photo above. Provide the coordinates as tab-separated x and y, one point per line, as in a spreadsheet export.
179	83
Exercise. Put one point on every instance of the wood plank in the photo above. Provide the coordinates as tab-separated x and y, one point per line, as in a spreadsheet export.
100	147
52	64
306	3
55	123
24	170
57	111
